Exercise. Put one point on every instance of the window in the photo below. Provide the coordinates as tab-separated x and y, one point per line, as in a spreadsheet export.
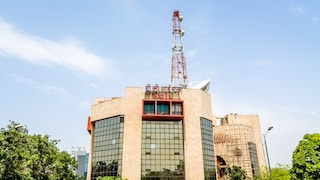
107	147
152	146
176	109
148	108
163	108
162	156
207	149
253	158
153	108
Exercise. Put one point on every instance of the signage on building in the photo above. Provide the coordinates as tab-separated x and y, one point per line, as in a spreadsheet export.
163	92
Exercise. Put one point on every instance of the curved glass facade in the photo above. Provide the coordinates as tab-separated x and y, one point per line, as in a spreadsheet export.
107	147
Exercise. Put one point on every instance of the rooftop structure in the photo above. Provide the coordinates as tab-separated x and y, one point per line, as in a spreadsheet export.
179	76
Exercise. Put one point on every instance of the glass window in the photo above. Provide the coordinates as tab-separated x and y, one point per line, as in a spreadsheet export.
163	108
176	108
207	149
107	147
148	108
253	158
152	146
159	158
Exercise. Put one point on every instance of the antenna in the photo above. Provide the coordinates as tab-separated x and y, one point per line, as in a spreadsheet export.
179	77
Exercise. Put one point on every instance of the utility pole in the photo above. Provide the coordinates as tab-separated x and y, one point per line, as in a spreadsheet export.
265	144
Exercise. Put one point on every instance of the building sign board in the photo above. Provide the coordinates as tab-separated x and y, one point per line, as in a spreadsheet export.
163	92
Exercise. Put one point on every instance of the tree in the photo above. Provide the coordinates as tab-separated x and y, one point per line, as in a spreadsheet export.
110	178
235	173
24	156
306	158
280	172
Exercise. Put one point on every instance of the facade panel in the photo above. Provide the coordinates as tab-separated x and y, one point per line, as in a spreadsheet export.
208	149
107	147
162	155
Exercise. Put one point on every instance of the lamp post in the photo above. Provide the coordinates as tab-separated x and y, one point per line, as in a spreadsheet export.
23	128
265	145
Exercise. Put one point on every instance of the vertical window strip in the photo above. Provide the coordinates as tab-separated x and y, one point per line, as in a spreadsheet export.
208	150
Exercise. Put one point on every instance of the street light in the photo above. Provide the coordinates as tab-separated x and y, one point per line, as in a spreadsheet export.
265	145
23	128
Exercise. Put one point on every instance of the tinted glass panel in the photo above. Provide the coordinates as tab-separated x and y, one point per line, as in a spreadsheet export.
107	147
253	158
162	155
148	108
207	149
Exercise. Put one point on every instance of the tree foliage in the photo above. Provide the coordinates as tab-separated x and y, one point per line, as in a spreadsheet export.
110	178
235	173
280	172
306	158
24	156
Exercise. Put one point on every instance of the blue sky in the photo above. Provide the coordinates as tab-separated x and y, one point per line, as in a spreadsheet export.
262	58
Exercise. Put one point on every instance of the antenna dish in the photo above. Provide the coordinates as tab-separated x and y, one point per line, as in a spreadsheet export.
203	85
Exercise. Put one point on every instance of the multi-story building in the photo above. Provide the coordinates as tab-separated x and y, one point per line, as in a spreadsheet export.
158	133
81	156
238	142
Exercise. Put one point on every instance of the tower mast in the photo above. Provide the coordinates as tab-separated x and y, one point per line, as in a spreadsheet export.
179	77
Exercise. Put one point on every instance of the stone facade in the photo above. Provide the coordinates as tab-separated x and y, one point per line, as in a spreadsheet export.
238	142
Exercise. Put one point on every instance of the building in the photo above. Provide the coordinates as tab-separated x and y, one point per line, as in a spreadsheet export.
167	132
81	156
238	142
158	133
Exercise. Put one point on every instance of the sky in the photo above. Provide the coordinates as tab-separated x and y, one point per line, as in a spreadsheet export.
262	57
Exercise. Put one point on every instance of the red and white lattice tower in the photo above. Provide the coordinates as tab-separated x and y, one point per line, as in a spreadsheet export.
179	77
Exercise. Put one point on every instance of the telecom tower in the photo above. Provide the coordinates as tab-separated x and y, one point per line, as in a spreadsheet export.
179	77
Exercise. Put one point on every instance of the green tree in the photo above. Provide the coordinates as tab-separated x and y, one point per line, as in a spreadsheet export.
24	156
235	173
280	172
263	174
110	178
306	158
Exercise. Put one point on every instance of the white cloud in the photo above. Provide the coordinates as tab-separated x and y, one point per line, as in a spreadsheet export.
44	88
68	53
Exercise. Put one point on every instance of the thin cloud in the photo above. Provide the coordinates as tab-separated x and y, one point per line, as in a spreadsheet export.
68	53
263	63
315	19
297	9
93	85
191	54
149	59
85	104
44	88
53	90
